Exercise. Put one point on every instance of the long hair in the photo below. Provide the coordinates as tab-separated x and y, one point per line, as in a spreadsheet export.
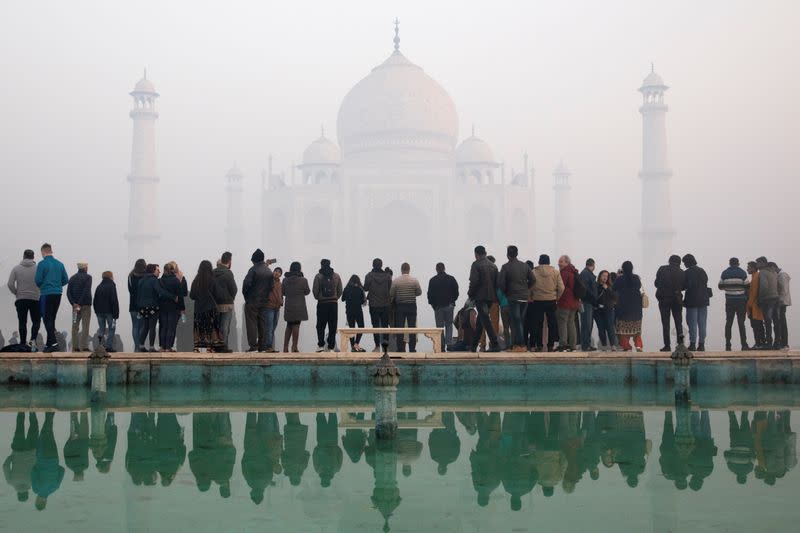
139	268
627	273
204	279
355	281
608	276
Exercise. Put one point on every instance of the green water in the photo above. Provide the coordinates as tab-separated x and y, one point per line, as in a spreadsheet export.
179	461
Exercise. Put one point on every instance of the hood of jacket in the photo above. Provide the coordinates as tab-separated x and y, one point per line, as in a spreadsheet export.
27	263
326	271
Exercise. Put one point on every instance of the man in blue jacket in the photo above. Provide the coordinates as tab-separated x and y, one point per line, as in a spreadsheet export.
51	276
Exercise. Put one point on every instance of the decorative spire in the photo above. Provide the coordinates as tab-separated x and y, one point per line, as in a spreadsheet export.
396	35
652	68
145	72
322	131
473	130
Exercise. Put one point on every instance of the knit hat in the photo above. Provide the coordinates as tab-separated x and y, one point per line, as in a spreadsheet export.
325	263
258	256
83	265
734	262
544	259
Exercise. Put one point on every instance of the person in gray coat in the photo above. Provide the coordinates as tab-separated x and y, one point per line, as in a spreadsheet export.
377	285
22	284
515	281
768	297
483	290
784	301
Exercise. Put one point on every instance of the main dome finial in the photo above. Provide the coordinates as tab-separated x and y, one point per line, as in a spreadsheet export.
396	35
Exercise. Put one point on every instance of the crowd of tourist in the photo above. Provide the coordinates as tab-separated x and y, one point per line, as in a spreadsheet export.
518	307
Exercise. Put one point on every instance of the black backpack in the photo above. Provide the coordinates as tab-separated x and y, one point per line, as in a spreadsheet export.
327	287
16	348
579	289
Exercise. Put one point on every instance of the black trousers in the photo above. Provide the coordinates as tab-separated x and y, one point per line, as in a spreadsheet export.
25	308
759	335
327	316
355	318
675	310
735	309
406	313
544	310
51	304
484	324
147	330
379	316
781	328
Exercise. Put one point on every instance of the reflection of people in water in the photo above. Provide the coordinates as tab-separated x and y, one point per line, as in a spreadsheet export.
550	460
739	457
213	455
263	445
140	458
625	443
774	444
47	472
444	444
589	453
354	440
675	450
76	449
327	456
170	447
517	461
17	468
468	419
409	448
103	451
484	459
701	460
295	455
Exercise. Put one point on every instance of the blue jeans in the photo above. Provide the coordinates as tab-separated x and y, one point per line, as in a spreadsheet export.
587	311
136	324
108	327
443	317
696	318
225	320
271	319
516	311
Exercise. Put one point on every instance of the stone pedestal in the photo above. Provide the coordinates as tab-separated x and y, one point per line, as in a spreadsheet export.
98	363
681	366
385	377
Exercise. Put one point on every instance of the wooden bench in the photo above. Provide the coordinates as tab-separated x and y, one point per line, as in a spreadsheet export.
434	334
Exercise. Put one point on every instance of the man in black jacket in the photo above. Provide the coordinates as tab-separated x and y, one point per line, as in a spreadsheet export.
483	290
256	287
589	300
670	279
226	294
515	280
442	296
106	307
377	284
79	295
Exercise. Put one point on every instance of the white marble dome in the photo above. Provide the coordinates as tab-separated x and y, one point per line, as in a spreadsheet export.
397	106
653	80
474	150
144	86
323	151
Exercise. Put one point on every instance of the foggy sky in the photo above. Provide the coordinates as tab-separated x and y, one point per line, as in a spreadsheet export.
241	80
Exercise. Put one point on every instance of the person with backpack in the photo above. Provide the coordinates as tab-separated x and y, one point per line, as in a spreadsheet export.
79	295
568	305
106	307
354	299
586	290
22	284
327	290
256	288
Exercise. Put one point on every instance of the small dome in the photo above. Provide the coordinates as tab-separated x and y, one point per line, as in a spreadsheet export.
653	80
144	86
561	169
323	151
234	172
474	150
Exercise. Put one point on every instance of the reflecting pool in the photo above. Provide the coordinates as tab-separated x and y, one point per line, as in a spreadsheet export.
153	463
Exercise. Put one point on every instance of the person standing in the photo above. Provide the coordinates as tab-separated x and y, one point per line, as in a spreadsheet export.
589	300
226	291
377	284
547	290
734	283
753	310
273	312
149	296
327	290
568	305
135	276
785	300
768	298
18	466
79	295
696	301
483	291
442	296
22	284
106	307
354	299
206	322
51	276
256	287
628	288
669	283
403	294
169	306
603	312
515	281
295	290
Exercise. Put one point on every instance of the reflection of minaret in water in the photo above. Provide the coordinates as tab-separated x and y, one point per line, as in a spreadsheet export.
386	493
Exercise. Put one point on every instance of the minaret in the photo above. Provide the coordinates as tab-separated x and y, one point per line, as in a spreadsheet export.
143	229
234	224
562	227
657	231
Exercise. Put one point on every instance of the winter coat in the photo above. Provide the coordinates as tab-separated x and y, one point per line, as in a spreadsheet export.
568	299
405	289
377	284
149	292
483	281
696	287
174	289
275	300
51	276
133	292
589	281
105	299
205	300
295	290
549	285
784	288
226	285
629	298
734	283
442	290
22	281
317	287
753	309
257	284
515	280
767	285
670	280
353	297
606	297
79	289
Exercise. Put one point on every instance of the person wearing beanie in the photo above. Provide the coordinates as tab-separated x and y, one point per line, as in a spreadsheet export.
327	290
79	295
545	294
670	279
696	302
734	283
22	285
256	288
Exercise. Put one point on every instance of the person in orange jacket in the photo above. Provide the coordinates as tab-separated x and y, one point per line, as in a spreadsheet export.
753	310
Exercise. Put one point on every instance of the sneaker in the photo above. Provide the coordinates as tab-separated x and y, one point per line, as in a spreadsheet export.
728	347
701	347
745	347
692	347
270	350
666	349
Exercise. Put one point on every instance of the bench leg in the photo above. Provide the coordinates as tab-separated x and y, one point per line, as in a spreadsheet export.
436	340
344	341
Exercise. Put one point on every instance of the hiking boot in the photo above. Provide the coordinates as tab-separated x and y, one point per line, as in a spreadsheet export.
692	347
701	347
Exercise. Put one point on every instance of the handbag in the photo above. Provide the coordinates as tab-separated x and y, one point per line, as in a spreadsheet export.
645	301
710	292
